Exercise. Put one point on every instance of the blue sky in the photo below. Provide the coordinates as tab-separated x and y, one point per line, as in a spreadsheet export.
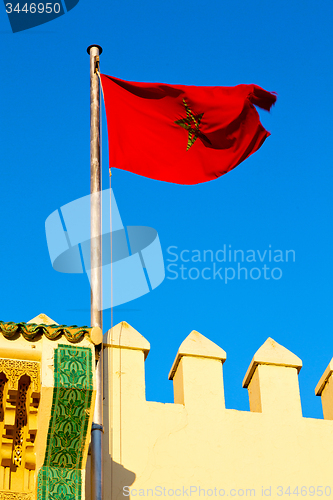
281	196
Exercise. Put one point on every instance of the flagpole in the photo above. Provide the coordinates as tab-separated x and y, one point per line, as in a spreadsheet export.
96	269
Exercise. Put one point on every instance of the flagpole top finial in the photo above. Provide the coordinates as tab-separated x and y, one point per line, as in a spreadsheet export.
94	45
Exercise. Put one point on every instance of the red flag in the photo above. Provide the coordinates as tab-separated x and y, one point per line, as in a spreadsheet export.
179	133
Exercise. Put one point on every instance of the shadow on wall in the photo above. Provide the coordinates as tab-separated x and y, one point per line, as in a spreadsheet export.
120	478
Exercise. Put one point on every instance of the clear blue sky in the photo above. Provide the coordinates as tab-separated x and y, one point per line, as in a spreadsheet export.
281	196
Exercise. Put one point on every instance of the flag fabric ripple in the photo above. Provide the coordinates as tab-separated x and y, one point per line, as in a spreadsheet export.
182	134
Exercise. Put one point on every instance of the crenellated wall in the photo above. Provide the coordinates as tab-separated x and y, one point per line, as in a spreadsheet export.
174	449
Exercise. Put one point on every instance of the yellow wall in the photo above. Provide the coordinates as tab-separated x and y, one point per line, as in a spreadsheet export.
197	442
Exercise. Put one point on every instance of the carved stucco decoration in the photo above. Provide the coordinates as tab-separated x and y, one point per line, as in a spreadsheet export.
11	495
14	369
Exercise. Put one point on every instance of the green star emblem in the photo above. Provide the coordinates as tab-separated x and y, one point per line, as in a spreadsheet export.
192	124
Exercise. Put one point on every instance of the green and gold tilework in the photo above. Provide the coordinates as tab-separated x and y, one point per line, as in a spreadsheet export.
60	478
32	331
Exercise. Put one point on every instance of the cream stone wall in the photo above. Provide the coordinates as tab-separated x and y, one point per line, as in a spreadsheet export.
198	448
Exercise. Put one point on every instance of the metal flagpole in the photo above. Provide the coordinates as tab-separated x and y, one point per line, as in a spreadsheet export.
96	269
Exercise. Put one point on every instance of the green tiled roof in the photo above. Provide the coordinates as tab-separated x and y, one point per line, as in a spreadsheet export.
30	331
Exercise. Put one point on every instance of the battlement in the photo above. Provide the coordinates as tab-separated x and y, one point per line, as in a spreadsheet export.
196	440
197	373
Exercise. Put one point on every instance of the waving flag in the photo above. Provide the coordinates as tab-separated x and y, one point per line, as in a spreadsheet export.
182	134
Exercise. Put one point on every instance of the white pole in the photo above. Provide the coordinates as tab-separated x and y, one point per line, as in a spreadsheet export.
96	269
